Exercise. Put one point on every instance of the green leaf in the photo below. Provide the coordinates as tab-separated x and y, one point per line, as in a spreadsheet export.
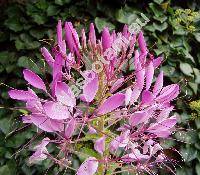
37	33
160	27
19	44
62	2
197	75
188	154
186	69
88	152
126	15
194	87
14	24
52	10
156	9
197	36
158	1
168	70
186	137
102	22
197	122
197	168
160	18
5	125
5	170
184	171
27	63
89	137
39	18
42	4
4	57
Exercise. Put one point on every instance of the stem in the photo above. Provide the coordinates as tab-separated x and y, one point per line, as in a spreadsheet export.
101	123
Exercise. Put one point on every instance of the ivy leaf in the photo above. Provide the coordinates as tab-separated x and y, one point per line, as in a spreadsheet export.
156	10
186	69
188	154
14	24
39	18
197	36
197	168
126	15
38	34
27	63
187	137
52	10
197	75
160	27
158	1
102	22
5	170
62	2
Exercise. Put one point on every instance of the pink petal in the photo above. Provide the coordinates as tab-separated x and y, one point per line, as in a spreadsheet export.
88	167
159	84
120	141
163	125
106	39
149	75
135	94
117	84
72	39
69	38
135	156
142	43
44	123
111	104
113	36
99	145
34	79
147	145
59	33
125	31
57	78
22	95
56	110
91	130
37	157
164	113
140	72
147	97
40	151
162	134
65	95
57	66
157	62
83	39
92	35
168	93
128	96
35	106
156	148
70	128
90	87
136	59
137	117
49	59
74	35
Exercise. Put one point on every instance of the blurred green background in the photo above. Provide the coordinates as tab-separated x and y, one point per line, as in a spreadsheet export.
173	31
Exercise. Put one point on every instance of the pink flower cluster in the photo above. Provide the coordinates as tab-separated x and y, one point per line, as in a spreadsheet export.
127	110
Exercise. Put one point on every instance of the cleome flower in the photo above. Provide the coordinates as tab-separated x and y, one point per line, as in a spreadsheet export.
104	91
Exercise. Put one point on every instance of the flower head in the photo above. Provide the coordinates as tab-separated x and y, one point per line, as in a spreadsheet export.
120	104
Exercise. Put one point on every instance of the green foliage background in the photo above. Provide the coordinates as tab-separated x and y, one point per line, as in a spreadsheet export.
24	24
